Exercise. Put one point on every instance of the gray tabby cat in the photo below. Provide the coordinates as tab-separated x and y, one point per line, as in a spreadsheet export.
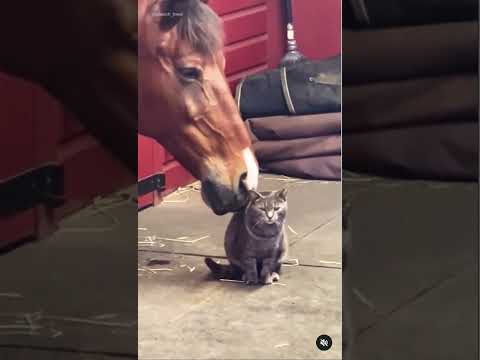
255	240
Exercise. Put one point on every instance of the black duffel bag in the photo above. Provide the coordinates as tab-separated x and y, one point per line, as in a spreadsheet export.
308	87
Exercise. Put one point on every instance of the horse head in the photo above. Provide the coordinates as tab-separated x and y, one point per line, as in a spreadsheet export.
185	102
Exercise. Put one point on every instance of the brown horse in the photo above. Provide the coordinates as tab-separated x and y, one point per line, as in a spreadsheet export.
185	102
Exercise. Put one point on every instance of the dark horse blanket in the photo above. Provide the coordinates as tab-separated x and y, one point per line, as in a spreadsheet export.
410	103
307	146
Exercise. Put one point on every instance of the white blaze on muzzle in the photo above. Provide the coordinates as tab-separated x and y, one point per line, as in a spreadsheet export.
252	169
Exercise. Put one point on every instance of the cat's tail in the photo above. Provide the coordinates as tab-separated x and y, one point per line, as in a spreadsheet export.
221	271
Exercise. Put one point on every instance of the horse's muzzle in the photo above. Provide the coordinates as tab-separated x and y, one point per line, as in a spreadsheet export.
222	199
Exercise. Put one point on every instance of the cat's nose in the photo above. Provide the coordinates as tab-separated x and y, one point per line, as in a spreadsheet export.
270	215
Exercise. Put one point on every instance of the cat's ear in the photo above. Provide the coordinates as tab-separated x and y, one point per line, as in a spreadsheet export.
282	194
254	195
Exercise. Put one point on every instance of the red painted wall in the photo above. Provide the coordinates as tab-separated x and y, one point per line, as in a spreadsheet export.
317	25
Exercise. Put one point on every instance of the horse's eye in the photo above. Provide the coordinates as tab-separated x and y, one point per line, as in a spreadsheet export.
190	73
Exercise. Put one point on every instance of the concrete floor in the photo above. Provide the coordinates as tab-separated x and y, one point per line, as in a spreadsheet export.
73	295
184	315
413	269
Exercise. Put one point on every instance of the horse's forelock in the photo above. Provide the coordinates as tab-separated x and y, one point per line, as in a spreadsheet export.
196	23
172	7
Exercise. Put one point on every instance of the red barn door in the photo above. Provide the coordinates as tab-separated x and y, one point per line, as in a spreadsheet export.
38	135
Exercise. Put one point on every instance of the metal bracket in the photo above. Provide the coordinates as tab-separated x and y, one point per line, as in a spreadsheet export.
43	185
152	183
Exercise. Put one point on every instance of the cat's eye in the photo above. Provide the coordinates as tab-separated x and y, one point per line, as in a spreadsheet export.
189	73
276	208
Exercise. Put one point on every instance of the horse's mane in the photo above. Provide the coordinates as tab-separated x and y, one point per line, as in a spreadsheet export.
195	23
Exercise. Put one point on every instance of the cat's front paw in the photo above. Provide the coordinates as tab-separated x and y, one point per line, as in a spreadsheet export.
267	279
250	278
266	275
275	277
270	278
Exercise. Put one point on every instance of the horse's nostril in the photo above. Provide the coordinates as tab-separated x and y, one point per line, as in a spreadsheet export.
243	184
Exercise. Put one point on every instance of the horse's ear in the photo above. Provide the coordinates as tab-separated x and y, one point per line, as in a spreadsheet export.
175	8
